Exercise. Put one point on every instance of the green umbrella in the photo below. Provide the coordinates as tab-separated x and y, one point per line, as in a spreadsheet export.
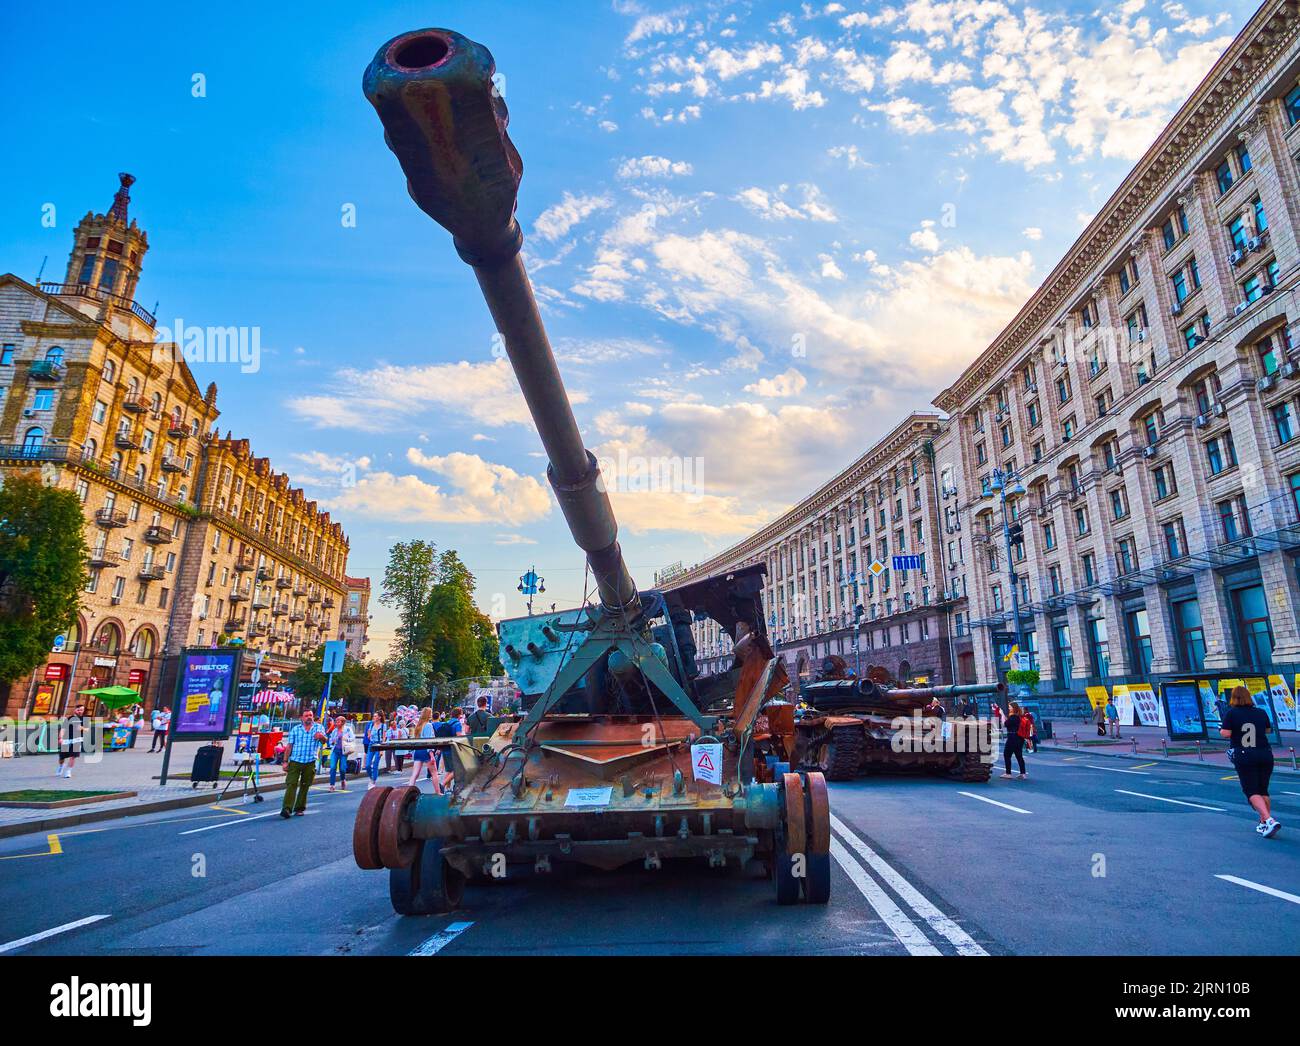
114	696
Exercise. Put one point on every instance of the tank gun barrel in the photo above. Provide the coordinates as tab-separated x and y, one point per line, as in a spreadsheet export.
962	690
445	120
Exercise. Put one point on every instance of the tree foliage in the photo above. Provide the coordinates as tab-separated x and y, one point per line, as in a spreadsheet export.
308	679
408	578
42	571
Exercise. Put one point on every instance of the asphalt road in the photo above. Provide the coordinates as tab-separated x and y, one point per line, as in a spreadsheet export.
1090	856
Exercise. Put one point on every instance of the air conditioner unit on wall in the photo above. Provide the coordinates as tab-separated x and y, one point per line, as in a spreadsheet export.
1236	258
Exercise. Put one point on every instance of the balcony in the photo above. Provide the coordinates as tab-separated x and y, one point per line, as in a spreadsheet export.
123	440
173	464
238	595
135	404
102	557
107	517
279	609
234	624
354	619
328	603
282	582
177	429
297	616
159	536
258	629
264	574
242	565
46	370
299	590
313	598
152	572
85	290
34	452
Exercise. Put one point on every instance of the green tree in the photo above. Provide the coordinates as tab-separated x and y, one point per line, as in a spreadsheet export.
42	571
410	675
408	579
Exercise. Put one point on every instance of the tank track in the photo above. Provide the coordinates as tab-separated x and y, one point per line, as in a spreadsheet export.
971	768
844	753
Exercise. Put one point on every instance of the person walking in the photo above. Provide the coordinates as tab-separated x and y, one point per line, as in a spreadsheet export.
1100	719
342	739
1015	743
160	721
1247	726
480	718
1112	717
376	733
302	744
422	757
1029	730
72	734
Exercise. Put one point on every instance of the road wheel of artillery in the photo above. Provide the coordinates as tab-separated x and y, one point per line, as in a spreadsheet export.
365	831
791	861
817	881
397	846
840	755
428	886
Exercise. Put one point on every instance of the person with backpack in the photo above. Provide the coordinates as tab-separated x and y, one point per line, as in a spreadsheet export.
376	733
1029	730
1015	742
479	718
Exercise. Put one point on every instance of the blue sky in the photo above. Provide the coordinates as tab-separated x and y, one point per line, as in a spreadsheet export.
761	233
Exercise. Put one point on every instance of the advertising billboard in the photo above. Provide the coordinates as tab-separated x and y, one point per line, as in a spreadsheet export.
206	690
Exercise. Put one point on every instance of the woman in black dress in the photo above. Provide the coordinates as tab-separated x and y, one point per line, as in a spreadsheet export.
1014	744
1247	725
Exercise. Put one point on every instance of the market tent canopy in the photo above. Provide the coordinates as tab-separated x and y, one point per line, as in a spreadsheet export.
113	696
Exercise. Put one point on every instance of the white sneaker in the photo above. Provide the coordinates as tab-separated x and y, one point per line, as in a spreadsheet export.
1261	827
1006	777
1270	828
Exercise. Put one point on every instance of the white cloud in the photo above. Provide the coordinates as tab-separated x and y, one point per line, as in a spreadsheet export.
782	386
479	492
772	206
1032	233
653	167
556	221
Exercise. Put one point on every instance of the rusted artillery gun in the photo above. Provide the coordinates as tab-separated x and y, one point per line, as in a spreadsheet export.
852	727
611	762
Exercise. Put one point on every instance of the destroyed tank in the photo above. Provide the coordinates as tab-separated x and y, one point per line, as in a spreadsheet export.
847	727
623	754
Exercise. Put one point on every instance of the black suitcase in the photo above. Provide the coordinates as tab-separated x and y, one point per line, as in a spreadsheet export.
207	766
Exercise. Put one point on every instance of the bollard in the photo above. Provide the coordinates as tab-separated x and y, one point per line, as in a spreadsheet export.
1076	739
1164	746
1199	757
1292	751
1135	747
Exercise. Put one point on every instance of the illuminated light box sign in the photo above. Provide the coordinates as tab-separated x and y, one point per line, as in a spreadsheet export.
206	692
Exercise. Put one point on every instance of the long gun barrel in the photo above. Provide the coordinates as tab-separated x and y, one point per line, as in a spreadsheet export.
446	122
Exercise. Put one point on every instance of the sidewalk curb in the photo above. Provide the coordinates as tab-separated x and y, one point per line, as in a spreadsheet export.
180	802
1278	766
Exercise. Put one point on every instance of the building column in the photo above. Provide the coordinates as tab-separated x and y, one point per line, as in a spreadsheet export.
1046	650
1277	572
1216	619
1081	643
1115	635
986	671
1164	650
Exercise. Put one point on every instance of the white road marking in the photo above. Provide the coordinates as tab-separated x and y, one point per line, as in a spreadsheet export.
939	923
439	941
1176	802
50	933
1291	793
227	824
1117	770
1262	889
908	933
994	802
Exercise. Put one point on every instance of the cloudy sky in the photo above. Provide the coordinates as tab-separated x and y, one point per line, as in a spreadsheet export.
760	233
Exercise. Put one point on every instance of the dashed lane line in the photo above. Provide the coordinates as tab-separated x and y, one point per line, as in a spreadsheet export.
1117	770
938	922
1261	888
439	941
227	824
1143	766
994	802
1176	802
24	941
908	933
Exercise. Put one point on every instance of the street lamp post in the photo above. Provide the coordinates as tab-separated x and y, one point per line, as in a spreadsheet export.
857	625
1003	487
531	585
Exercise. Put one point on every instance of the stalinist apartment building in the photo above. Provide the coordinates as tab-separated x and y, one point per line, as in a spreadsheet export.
1147	398
831	569
193	539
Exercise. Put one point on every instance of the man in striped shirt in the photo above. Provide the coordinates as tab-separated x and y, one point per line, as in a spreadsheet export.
301	746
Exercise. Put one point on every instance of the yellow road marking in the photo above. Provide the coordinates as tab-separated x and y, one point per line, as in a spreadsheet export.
55	849
1229	777
228	810
1143	766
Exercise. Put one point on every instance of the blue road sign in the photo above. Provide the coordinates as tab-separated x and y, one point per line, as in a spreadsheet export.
907	562
335	650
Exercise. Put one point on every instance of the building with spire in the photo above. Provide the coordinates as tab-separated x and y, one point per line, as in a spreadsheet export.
194	540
